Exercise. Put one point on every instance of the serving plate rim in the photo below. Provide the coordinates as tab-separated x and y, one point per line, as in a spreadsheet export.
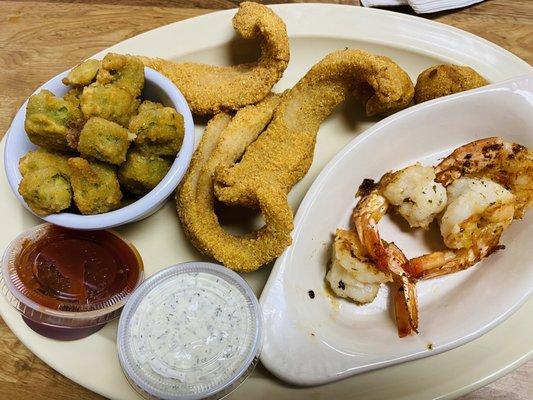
286	11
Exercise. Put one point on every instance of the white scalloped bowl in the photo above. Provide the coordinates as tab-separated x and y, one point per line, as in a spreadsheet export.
157	88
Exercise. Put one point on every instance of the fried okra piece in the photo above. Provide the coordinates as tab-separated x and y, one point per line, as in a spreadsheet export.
125	72
95	186
104	140
109	102
149	105
42	158
46	190
82	74
45	184
159	131
73	96
51	121
141	173
443	80
113	96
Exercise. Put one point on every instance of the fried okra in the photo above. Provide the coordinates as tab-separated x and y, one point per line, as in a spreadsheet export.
73	96
51	121
141	173
83	74
109	102
46	190
104	140
443	80
120	80
42	158
159	131
122	71
45	184
149	105
95	186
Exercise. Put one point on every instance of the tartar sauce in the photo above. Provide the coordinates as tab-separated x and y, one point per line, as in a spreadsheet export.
189	330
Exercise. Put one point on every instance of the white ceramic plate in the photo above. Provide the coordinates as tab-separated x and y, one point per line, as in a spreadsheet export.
331	338
314	30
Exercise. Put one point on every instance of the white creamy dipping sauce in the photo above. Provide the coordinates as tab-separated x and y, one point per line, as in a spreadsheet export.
189	333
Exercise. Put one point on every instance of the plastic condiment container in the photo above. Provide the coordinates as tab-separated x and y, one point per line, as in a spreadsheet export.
191	331
68	284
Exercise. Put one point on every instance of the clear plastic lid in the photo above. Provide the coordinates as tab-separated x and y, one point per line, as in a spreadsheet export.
191	331
42	290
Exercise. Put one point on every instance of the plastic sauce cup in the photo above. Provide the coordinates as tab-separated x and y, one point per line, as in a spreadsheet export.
191	331
44	290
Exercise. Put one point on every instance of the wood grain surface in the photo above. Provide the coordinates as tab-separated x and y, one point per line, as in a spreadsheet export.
39	39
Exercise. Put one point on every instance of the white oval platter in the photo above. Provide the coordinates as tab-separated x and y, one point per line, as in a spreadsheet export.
314	30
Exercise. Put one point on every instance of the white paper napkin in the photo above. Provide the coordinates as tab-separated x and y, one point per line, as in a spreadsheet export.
421	6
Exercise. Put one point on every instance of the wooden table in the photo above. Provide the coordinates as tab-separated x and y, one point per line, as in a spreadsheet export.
39	39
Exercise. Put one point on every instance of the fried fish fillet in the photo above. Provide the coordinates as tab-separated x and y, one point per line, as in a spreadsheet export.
210	89
223	142
282	155
276	159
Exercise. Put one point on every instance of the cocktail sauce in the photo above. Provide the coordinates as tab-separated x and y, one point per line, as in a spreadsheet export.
71	270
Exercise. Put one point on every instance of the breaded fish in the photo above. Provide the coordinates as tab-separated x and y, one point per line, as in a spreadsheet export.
210	89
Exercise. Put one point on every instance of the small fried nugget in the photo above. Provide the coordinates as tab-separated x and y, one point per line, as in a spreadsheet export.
104	140
140	173
46	190
109	102
95	186
443	80
51	120
122	71
159	131
82	74
42	158
73	96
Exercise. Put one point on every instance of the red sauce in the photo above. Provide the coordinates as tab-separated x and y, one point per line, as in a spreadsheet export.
70	270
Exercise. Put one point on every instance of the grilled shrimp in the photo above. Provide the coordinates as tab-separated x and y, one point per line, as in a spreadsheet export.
352	275
478	212
387	257
475	205
509	164
489	182
412	190
474	193
419	199
416	194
